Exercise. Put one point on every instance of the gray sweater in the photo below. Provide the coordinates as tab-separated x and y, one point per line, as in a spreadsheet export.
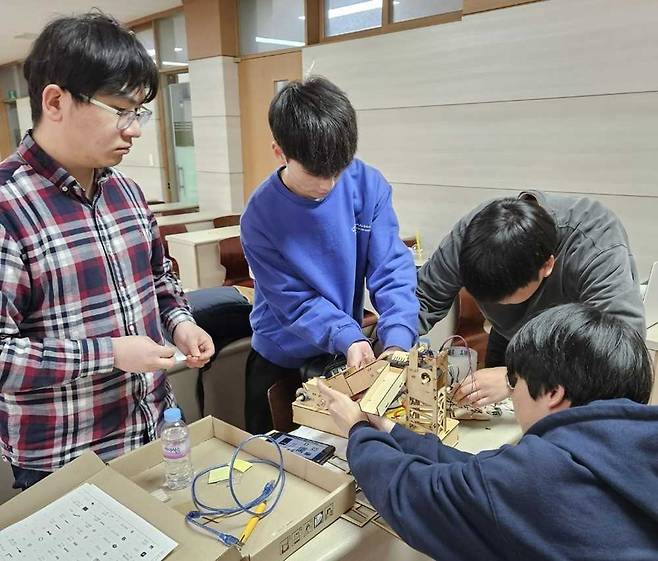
593	265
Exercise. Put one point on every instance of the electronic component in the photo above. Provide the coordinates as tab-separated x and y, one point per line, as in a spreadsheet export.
310	449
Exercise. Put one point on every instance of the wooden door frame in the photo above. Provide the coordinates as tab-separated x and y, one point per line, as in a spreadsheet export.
253	146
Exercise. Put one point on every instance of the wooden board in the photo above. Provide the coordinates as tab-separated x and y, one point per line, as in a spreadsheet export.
565	145
309	416
362	379
383	391
451	435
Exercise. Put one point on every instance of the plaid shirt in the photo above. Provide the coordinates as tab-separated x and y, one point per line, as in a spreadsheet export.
73	274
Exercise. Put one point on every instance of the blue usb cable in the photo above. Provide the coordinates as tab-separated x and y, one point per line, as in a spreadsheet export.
269	488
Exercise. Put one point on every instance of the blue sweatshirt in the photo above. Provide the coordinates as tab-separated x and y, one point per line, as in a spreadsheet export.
310	260
582	484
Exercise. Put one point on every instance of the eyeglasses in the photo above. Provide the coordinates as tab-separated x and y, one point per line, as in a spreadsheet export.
511	378
126	117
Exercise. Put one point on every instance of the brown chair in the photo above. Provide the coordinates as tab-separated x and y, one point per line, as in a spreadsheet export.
409	242
168	231
280	397
369	320
233	260
228	220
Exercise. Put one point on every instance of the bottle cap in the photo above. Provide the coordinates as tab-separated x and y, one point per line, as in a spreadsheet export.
172	414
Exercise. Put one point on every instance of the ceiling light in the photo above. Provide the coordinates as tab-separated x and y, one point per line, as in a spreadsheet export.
283	42
178	49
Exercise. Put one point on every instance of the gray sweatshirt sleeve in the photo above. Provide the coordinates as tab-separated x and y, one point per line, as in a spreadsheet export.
439	280
610	283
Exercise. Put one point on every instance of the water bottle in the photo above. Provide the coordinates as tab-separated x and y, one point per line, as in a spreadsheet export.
175	440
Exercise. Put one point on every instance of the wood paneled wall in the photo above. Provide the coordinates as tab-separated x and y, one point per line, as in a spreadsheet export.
257	78
211	28
6	145
556	95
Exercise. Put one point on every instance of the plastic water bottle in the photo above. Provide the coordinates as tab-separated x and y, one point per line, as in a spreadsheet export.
175	439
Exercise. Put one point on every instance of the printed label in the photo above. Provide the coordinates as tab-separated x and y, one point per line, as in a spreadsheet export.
175	451
361	227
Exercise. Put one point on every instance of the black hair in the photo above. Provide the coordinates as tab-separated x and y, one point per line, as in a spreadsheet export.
314	123
591	354
88	54
504	246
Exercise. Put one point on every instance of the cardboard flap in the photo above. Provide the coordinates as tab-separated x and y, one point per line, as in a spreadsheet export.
47	490
191	545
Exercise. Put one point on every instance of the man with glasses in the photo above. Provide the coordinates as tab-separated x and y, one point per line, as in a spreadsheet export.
87	297
580	484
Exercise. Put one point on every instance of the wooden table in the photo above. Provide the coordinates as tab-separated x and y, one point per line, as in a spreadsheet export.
198	258
159	208
193	220
346	541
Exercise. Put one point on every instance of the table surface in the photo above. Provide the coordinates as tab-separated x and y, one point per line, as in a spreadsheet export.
187	218
164	207
344	540
202	237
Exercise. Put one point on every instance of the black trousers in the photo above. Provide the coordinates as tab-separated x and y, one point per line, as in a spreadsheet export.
496	348
24	478
261	375
224	314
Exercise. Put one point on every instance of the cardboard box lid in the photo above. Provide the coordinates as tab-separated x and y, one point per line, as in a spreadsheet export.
309	489
89	468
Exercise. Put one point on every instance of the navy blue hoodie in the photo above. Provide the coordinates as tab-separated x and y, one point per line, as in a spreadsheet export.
582	484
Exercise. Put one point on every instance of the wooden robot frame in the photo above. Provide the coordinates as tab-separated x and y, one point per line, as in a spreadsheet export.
420	376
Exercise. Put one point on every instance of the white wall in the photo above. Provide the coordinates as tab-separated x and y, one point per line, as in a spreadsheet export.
144	163
557	95
24	114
